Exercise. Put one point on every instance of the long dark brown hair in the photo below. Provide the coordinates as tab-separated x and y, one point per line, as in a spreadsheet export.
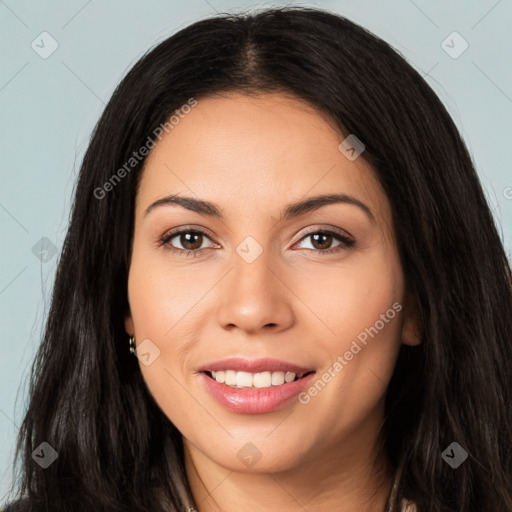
87	397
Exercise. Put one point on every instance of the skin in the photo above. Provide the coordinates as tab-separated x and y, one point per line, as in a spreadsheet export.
252	156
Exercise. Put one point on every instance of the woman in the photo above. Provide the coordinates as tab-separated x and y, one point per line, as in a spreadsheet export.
278	218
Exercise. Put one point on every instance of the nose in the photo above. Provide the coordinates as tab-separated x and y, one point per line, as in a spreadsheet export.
254	297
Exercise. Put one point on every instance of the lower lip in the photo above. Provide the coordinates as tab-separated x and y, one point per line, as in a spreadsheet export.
254	400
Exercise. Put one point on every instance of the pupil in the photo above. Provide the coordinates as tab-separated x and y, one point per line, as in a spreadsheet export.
324	237
188	242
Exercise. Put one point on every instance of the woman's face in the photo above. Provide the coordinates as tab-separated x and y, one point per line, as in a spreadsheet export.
277	289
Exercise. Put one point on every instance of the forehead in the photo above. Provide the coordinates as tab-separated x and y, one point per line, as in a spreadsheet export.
255	153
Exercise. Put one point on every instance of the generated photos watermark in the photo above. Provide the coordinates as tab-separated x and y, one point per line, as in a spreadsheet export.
355	348
143	151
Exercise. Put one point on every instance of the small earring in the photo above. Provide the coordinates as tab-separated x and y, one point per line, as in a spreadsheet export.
132	344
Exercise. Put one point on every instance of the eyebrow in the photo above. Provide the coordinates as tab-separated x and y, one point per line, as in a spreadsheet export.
290	211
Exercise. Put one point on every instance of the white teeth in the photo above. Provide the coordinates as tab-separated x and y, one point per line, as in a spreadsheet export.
262	380
289	377
243	379
254	380
277	378
219	376
230	377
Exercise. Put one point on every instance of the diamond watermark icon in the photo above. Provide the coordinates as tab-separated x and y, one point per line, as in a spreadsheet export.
454	455
249	454
44	45
351	147
249	249
454	45
147	352
45	455
45	249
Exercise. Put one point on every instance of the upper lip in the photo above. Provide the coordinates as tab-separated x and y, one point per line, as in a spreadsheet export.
254	366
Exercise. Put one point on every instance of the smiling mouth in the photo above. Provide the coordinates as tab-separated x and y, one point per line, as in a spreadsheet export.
260	380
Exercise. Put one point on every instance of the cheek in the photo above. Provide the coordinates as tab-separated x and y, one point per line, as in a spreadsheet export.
351	298
160	296
361	308
166	308
162	307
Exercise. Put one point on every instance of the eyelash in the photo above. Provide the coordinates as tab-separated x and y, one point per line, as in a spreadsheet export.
346	241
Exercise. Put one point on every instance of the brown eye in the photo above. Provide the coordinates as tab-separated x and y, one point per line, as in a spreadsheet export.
321	240
191	240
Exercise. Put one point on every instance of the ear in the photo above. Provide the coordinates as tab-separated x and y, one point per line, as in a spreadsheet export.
128	324
411	328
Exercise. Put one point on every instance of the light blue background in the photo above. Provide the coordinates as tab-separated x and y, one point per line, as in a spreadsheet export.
49	106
